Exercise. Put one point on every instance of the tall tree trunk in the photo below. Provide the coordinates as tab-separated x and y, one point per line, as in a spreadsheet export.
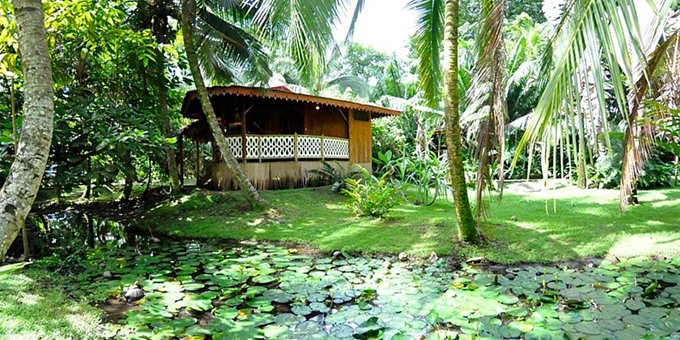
467	227
188	15
130	175
165	122
22	184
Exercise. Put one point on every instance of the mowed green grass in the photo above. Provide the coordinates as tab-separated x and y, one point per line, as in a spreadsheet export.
30	308
556	225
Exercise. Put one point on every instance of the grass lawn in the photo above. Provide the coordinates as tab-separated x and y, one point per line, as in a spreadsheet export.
586	223
32	309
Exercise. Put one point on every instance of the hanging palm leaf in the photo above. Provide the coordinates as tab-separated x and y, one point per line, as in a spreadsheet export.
429	40
597	41
486	99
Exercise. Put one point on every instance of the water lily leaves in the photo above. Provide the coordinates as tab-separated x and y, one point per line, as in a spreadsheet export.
342	331
588	328
191	287
319	307
368	329
288	319
275	331
517	312
669	325
521	326
507	299
264	279
634	305
301	310
225	312
197	302
539	333
653	312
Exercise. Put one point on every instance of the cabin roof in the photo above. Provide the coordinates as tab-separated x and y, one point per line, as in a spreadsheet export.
283	95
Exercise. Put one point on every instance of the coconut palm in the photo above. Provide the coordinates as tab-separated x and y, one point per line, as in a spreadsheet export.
599	43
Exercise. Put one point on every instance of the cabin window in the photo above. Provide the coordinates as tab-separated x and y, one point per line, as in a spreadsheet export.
361	115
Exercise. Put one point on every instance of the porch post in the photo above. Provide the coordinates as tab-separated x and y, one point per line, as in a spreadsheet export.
322	149
244	139
295	146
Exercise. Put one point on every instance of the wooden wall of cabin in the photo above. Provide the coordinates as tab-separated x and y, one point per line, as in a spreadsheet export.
327	121
360	138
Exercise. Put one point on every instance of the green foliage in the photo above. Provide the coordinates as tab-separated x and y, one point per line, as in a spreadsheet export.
424	177
607	170
336	175
370	195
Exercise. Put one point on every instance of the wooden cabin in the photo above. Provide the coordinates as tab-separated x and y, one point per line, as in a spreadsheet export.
279	136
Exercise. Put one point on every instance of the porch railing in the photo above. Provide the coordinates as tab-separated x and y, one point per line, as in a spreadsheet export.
297	147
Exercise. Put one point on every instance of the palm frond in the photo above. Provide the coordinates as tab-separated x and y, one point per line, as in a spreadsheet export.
486	99
226	50
357	85
597	43
308	27
429	38
355	17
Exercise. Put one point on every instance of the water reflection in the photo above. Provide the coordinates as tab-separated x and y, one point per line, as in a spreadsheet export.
67	232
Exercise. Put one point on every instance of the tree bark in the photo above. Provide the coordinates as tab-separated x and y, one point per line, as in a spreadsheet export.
188	15
130	176
21	187
467	227
165	122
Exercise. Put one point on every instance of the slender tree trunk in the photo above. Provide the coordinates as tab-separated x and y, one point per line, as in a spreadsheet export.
188	15
15	140
88	183
13	109
165	122
467	227
581	167
21	187
130	175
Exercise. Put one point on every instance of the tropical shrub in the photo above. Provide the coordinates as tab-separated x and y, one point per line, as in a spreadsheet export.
424	178
370	195
336	176
607	170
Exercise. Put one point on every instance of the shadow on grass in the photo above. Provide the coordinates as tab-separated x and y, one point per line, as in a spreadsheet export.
31	309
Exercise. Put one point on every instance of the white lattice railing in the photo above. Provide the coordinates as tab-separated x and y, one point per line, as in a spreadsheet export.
266	147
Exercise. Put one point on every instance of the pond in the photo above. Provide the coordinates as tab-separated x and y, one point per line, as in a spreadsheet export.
240	291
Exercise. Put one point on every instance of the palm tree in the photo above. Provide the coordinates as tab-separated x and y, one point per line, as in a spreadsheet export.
438	26
595	41
21	187
188	26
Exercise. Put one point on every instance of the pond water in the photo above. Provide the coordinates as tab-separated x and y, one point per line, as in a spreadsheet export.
241	291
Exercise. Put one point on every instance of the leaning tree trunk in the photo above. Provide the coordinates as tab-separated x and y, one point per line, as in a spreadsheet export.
188	15
165	122
21	187
467	228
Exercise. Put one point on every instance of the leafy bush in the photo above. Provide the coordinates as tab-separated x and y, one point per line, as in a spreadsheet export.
370	195
425	176
335	176
607	170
